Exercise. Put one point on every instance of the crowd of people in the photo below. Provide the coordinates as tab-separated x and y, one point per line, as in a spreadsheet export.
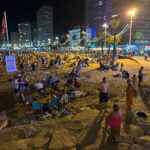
32	62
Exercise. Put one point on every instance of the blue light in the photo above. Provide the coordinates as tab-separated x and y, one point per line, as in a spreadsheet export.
92	46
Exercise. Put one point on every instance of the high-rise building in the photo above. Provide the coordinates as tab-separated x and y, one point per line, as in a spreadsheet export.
33	29
3	41
14	37
142	19
100	11
24	30
45	24
75	36
35	37
95	14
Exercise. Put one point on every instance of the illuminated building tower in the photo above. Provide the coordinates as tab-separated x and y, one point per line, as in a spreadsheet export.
45	24
14	36
95	14
142	18
3	41
24	34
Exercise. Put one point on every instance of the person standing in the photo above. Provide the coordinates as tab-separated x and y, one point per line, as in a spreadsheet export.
103	88
114	121
129	94
16	89
145	55
140	75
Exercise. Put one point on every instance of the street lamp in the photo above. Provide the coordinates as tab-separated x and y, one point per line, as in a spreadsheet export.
68	36
131	13
105	26
57	38
49	43
84	33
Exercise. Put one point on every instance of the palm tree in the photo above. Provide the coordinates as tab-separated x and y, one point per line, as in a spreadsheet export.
115	22
139	36
110	40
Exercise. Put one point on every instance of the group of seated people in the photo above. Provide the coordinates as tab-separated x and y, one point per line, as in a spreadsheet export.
125	74
53	81
74	77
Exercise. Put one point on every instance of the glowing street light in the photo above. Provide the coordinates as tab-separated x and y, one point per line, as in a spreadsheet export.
105	26
38	43
49	41
83	32
57	38
131	13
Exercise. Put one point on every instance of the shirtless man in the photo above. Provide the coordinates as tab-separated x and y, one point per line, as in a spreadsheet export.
103	88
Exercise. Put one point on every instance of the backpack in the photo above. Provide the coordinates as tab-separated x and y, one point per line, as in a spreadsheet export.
141	114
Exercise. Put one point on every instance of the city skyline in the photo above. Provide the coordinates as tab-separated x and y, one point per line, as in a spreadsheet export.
66	13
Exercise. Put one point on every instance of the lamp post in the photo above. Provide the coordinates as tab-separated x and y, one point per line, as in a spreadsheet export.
84	36
105	26
131	13
49	43
68	39
57	38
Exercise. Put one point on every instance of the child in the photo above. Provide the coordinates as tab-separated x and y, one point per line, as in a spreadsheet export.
114	121
134	80
121	69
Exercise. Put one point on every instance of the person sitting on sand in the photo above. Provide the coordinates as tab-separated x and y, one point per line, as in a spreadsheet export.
77	83
71	93
114	121
40	86
55	82
63	99
47	78
124	73
127	75
129	94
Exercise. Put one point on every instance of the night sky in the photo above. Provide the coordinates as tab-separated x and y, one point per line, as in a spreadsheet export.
67	13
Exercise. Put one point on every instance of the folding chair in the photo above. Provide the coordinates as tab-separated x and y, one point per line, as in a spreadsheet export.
36	106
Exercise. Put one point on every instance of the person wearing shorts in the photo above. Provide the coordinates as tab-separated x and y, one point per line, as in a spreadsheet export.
103	88
16	89
103	97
